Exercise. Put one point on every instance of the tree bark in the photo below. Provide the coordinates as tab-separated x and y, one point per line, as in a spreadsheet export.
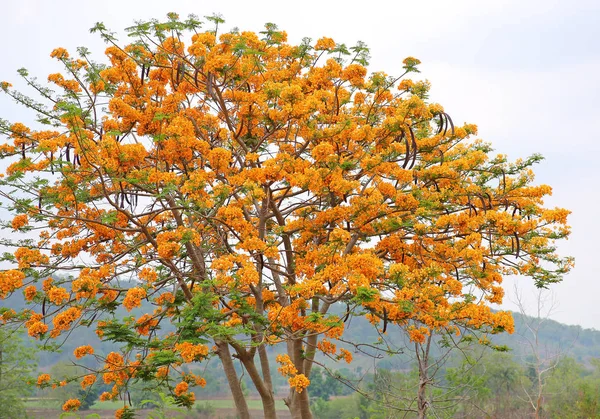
298	403
232	378
423	360
265	391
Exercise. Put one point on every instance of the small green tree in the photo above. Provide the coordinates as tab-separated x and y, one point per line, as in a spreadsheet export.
572	391
64	371
16	365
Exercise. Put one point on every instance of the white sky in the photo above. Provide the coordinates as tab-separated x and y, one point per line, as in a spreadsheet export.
526	72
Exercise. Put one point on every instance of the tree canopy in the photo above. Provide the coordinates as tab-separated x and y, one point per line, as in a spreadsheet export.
248	185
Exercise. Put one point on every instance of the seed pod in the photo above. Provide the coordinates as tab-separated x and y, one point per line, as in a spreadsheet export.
448	119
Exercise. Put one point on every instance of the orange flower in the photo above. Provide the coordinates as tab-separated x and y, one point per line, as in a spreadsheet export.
325	44
58	295
145	323
181	388
9	281
43	379
287	367
20	221
71	405
121	412
59	53
300	382
63	321
133	298
82	351
30	292
346	355
105	396
190	352
88	380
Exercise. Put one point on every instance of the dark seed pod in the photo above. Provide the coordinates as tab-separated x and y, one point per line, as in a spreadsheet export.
68	152
347	313
440	124
414	148
448	119
23	150
142	74
178	73
385	320
209	84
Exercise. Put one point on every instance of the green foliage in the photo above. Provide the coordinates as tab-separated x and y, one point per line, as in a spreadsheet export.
205	409
72	390
165	409
17	364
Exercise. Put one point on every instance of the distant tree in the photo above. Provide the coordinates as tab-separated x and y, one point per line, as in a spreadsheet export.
250	184
540	358
324	385
488	386
17	363
572	391
70	384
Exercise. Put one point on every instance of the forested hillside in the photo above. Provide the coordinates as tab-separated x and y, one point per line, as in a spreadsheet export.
382	378
575	341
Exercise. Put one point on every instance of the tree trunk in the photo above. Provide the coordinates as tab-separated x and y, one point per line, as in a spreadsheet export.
232	378
298	403
265	391
422	398
423	361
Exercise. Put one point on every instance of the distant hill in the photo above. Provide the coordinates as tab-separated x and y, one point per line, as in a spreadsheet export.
581	344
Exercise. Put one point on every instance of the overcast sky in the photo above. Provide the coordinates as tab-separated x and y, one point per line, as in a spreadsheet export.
526	72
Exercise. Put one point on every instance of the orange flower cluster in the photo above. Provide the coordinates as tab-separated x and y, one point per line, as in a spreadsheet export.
63	321
34	325
30	257
145	323
286	368
43	379
181	388
87	381
30	292
299	381
71	405
133	298
9	281
20	221
58	295
190	352
82	351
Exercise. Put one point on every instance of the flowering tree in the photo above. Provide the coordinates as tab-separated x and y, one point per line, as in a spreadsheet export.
248	185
